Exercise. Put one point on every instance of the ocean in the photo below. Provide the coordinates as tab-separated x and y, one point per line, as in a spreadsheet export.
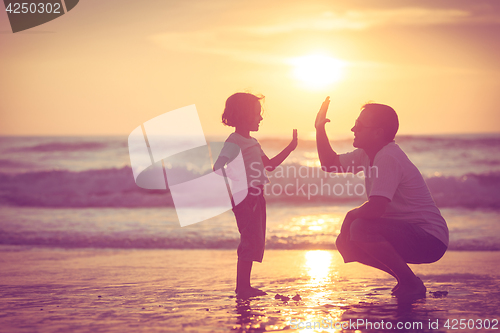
79	192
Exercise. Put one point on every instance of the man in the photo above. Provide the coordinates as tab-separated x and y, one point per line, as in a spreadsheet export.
400	223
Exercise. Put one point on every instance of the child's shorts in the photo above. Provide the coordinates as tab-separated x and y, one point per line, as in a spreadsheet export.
251	220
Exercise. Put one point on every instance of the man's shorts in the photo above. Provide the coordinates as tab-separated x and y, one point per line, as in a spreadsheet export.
251	220
414	245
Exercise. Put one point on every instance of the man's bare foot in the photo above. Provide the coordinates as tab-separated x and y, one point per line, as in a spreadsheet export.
249	292
412	289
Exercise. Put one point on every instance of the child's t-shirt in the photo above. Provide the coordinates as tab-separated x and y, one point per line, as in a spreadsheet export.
252	157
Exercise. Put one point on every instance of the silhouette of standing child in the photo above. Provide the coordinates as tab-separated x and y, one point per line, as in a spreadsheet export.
243	112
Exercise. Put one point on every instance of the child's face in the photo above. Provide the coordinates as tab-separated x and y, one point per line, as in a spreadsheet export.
253	119
256	118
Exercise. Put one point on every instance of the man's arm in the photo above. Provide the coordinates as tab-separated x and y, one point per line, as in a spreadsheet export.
374	208
271	164
328	158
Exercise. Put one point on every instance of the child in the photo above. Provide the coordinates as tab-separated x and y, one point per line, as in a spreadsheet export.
243	112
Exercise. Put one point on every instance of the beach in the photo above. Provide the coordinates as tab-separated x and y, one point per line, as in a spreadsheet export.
137	290
84	249
120	174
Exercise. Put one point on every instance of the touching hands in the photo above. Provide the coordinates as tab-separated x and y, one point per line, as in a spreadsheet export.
321	119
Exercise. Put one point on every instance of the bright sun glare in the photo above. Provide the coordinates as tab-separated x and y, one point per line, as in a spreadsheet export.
318	263
317	71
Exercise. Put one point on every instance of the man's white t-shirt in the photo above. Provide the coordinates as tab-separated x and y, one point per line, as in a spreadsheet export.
395	177
252	157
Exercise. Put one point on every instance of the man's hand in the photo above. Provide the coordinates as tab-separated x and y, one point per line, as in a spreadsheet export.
321	119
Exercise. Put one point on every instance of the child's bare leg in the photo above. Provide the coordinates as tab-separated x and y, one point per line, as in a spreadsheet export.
243	287
243	271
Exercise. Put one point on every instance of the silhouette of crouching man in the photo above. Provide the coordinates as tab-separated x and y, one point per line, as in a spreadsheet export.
400	223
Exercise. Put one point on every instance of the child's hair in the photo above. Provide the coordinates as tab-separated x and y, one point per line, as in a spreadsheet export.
238	106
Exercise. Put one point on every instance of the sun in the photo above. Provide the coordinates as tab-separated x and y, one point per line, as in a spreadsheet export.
317	71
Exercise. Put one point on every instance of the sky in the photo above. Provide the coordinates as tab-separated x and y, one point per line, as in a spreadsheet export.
108	66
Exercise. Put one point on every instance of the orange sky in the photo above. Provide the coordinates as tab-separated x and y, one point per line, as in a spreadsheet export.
107	66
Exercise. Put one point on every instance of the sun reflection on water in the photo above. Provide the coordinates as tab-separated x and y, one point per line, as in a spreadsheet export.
318	263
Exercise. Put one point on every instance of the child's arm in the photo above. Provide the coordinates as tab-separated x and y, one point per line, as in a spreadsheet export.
220	163
271	164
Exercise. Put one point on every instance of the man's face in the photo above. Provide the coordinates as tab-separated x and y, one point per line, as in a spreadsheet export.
364	131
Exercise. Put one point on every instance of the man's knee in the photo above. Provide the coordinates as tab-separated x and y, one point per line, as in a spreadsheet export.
340	242
365	231
359	227
356	228
349	249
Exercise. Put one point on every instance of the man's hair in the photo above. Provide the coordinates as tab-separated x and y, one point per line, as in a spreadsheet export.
238	107
385	117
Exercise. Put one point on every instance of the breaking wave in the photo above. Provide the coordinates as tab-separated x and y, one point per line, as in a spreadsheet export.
115	187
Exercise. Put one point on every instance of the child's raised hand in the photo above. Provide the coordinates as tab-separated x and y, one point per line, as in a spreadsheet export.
295	140
321	116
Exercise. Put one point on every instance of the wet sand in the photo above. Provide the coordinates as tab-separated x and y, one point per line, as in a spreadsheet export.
82	290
